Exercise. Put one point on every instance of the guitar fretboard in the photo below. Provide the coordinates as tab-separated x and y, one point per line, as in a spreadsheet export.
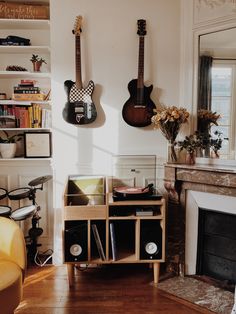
141	62
78	62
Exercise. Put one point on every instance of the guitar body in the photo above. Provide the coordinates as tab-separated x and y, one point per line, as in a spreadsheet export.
138	109
79	108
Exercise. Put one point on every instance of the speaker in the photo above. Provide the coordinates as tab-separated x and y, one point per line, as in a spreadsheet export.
150	240
76	241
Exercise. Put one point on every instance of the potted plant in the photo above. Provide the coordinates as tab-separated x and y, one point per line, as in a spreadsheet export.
8	144
190	144
216	143
37	62
204	144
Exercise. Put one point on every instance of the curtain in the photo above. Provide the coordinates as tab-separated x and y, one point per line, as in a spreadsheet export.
205	83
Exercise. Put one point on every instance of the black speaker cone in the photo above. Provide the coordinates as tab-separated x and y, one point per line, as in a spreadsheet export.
76	250
151	248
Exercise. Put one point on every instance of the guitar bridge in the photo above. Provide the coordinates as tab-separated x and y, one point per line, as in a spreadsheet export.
139	106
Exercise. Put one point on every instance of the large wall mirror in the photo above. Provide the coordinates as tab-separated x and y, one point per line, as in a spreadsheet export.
217	84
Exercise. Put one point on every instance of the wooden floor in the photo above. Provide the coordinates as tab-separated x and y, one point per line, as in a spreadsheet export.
109	289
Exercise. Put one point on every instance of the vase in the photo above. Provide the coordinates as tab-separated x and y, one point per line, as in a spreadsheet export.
215	154
37	66
206	152
190	158
172	153
8	150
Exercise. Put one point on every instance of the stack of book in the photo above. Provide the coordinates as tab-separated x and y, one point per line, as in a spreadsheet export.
27	91
33	116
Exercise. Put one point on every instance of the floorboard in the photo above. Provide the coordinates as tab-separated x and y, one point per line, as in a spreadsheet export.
109	289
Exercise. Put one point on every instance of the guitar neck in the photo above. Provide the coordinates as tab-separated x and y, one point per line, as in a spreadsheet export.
140	83
78	62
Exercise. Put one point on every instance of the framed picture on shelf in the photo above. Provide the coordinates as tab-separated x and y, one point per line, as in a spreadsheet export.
37	144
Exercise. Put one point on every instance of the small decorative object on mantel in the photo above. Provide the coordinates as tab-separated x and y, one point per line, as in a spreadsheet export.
169	121
206	118
190	144
199	141
216	144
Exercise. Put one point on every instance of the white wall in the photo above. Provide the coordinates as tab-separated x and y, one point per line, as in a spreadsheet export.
109	57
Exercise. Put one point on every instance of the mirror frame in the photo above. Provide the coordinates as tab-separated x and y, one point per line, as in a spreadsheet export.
196	49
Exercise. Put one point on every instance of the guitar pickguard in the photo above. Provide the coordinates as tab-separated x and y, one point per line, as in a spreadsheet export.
83	94
79	108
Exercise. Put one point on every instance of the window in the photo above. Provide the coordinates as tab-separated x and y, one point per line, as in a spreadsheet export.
223	91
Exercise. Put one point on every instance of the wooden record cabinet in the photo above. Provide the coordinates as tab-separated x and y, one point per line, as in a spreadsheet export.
97	230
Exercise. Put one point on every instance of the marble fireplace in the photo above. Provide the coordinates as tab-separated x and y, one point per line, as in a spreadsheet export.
189	188
210	203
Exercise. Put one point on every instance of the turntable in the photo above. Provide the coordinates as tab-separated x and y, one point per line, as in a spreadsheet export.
135	193
130	173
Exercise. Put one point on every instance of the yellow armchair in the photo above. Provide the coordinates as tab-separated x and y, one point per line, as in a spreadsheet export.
12	265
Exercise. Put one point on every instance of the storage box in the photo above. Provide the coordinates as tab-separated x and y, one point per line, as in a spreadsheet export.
86	190
16	10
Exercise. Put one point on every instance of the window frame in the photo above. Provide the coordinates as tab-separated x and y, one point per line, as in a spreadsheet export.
232	126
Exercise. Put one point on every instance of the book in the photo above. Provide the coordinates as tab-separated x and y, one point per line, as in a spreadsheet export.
98	242
144	212
28	97
23	117
113	241
31	90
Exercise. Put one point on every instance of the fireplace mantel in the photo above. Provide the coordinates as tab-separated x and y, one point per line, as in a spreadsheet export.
205	178
179	180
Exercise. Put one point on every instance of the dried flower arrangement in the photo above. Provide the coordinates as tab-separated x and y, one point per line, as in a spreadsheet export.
206	118
169	121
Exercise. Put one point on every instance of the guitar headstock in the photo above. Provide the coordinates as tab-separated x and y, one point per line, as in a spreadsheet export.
77	26
141	27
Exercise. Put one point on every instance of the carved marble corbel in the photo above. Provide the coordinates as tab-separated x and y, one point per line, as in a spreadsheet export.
173	189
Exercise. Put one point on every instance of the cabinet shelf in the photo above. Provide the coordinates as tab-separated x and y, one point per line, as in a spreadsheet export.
133	217
133	202
24	49
24	159
25	74
23	103
25	129
24	24
126	258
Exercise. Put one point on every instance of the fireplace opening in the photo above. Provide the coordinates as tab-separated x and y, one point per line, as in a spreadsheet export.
216	247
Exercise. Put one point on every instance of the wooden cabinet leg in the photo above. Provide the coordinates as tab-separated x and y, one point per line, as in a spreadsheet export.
70	272
156	272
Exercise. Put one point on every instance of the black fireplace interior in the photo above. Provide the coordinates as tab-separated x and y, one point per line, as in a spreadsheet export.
216	251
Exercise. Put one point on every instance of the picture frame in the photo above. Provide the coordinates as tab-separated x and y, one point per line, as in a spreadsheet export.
37	144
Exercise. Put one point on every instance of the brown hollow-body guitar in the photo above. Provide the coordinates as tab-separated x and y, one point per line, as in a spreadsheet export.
139	108
79	108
